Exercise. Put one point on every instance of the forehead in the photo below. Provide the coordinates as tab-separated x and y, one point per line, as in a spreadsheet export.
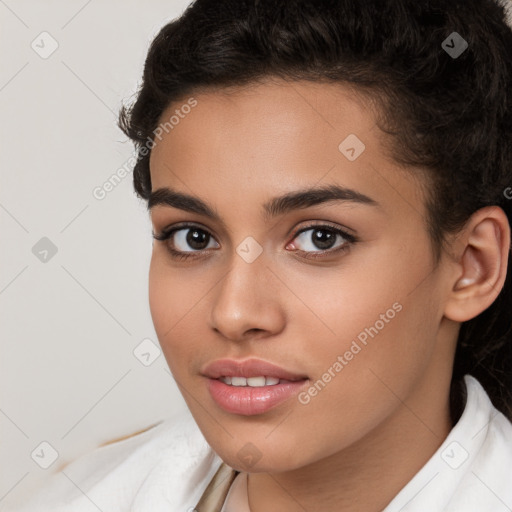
271	112
276	136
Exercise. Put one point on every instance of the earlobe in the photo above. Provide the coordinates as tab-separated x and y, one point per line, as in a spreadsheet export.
481	269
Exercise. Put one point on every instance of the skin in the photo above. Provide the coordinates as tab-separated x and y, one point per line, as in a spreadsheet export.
378	421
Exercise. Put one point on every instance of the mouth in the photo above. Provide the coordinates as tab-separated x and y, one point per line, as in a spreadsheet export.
253	382
251	386
247	400
249	372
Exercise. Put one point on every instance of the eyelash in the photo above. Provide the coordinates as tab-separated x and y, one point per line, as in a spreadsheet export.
166	234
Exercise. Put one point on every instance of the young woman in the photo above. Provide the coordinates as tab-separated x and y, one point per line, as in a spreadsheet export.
330	188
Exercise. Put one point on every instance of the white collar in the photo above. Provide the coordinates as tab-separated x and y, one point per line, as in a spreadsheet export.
472	470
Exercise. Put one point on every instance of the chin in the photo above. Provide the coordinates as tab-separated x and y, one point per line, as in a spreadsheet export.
275	464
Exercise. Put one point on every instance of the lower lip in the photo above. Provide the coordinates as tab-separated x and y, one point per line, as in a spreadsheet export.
248	400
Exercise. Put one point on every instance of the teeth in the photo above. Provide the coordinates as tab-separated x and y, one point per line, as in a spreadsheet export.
238	381
253	382
256	381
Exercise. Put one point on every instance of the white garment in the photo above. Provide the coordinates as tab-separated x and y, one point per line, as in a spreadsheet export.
167	468
237	499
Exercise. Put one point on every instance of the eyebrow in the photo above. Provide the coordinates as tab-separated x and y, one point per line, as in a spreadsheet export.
280	205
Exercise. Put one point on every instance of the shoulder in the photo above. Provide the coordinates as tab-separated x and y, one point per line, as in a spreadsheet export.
471	470
494	429
150	465
489	480
479	456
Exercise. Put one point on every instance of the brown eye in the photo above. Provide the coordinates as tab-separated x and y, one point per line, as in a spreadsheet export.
195	238
184	241
321	238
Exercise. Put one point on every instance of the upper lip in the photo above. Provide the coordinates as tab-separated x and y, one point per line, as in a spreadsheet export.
248	368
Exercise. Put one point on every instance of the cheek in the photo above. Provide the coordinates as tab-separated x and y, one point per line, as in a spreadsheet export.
173	298
162	302
358	375
379	328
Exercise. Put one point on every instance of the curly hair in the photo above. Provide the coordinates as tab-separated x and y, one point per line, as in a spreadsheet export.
449	114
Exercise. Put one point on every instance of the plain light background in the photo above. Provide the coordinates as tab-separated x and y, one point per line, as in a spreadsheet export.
70	323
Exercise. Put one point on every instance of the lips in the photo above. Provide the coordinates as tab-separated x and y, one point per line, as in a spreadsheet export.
249	387
249	368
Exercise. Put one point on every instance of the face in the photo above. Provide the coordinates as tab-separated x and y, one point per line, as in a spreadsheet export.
338	289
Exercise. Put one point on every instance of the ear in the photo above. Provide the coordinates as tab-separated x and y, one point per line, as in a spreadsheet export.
481	253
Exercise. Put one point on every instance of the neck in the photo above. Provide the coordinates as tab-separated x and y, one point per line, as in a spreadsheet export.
366	476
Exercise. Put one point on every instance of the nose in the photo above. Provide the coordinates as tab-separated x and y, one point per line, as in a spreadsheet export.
247	302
